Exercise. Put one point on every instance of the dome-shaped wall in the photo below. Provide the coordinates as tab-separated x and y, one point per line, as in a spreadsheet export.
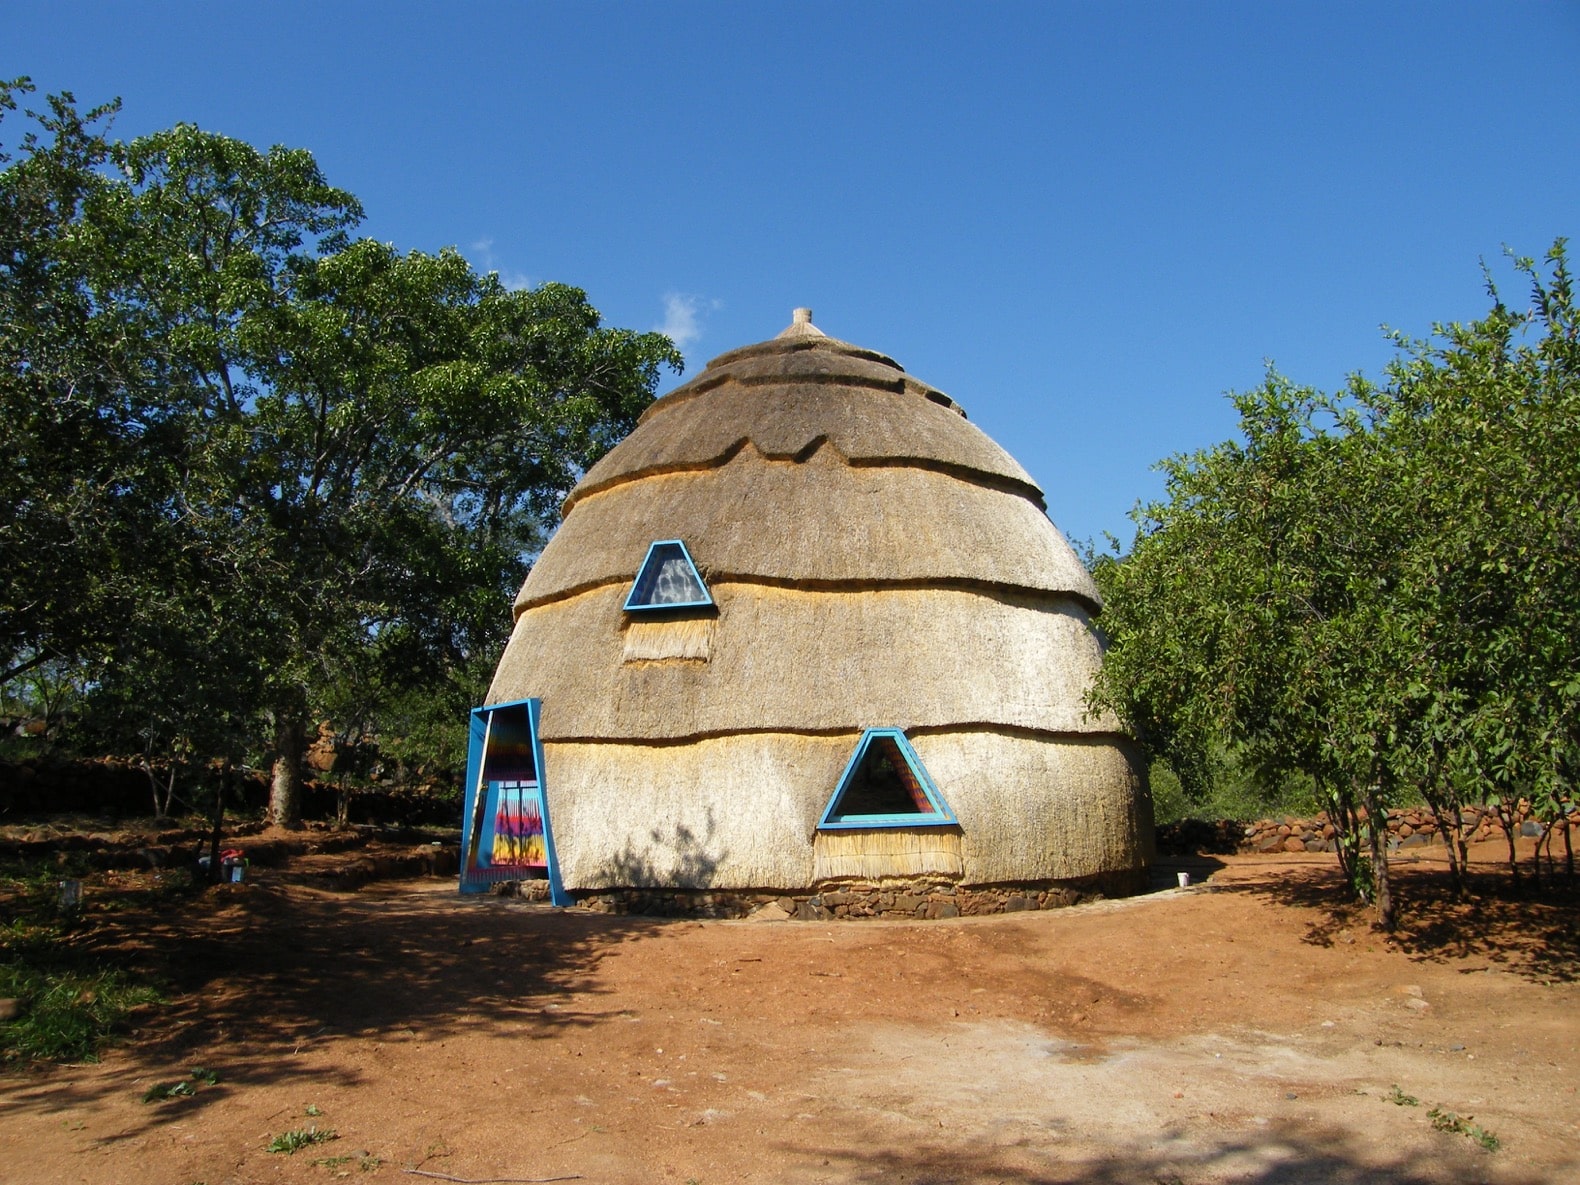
873	560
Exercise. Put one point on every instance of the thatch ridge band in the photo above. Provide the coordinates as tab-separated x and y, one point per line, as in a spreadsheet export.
905	385
987	481
997	590
963	727
781	345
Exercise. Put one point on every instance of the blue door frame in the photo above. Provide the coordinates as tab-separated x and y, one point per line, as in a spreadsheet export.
504	755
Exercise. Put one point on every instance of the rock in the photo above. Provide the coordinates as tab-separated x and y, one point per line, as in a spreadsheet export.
10	1009
1016	904
1294	845
772	912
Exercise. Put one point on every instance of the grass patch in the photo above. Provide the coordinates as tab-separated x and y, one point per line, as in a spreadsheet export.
1399	1099
68	1005
66	1015
183	1088
1447	1121
292	1142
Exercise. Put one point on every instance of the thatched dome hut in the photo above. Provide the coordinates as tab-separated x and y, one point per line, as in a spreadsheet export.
838	550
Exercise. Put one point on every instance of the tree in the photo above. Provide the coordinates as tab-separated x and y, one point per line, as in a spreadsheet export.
319	456
1370	586
65	439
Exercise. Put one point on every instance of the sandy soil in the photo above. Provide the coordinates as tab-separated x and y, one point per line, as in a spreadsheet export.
1239	1030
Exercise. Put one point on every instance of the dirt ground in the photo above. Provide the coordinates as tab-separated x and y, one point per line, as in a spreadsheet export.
1238	1030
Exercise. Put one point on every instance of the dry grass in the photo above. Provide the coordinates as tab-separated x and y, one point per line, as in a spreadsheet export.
877	855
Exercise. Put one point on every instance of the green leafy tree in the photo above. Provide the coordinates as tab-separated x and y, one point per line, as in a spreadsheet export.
294	461
67	436
1369	588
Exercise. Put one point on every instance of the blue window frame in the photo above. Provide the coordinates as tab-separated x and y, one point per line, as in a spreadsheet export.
668	579
885	784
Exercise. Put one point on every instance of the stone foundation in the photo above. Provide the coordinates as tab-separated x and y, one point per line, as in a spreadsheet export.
911	900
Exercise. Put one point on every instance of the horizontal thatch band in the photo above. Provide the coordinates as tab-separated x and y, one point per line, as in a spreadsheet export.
820	520
825	362
864	425
791	354
781	658
740	812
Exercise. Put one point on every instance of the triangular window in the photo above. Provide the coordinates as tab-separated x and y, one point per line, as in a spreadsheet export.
885	785
668	580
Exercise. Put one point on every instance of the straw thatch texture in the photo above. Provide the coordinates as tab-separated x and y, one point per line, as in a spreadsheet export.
655	641
778	364
1033	807
818	521
782	658
887	855
733	812
869	426
740	812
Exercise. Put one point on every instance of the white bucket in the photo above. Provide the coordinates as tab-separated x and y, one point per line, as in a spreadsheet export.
1184	880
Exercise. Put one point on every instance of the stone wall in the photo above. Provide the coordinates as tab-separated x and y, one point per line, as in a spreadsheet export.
1407	828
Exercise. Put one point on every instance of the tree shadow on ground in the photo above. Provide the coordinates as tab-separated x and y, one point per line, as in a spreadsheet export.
259	972
1519	928
1276	1156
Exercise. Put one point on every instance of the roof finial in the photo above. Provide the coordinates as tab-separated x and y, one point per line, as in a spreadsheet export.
801	325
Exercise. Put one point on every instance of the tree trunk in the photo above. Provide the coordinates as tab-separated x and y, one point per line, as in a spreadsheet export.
1451	828
1341	812
1508	820
215	873
1377	828
285	790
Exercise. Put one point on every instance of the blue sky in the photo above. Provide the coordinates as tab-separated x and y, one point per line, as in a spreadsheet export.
1084	221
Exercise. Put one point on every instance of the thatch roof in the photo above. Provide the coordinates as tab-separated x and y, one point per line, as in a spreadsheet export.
808	460
873	560
785	400
820	521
